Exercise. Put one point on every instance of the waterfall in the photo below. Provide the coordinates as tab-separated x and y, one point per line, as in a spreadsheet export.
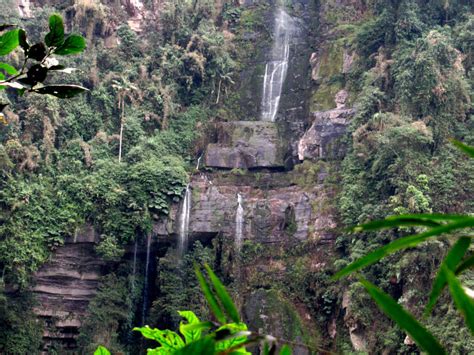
239	223
145	286
134	267
198	162
277	67
184	221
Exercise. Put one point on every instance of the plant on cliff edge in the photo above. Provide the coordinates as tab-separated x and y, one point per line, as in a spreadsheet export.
455	263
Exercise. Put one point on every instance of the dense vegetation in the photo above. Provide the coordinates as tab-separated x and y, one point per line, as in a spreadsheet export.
59	161
415	76
119	155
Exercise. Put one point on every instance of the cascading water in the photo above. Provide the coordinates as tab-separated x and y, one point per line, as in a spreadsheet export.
184	221
277	67
145	286
134	267
239	223
198	162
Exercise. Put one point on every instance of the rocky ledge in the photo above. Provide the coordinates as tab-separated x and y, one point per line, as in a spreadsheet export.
247	145
322	139
65	285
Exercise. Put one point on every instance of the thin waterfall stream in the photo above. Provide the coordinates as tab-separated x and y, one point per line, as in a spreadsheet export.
134	267
184	222
145	286
239	223
277	67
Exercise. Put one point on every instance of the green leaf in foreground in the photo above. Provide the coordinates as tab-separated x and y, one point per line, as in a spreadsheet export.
465	148
462	301
409	220
9	41
61	91
190	335
223	296
465	265
451	261
101	351
285	350
206	290
202	346
55	37
404	243
405	320
72	45
8	69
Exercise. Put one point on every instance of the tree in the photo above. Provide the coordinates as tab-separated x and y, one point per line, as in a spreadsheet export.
124	89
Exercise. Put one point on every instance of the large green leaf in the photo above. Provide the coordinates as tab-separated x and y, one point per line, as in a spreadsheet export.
223	296
101	351
61	91
409	220
9	41
72	45
167	338
405	320
451	261
8	69
206	290
193	334
404	243
234	339
465	148
203	346
463	302
55	37
465	265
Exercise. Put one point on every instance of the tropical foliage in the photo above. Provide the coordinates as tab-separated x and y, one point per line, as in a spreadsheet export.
454	264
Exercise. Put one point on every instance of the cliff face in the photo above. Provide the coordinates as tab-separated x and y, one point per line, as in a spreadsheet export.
65	286
281	171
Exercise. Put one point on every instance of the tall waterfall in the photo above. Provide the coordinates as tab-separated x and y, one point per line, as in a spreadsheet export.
145	286
277	67
239	223
184	221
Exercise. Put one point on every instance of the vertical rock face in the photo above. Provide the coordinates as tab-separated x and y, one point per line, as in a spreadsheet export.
247	145
65	285
321	140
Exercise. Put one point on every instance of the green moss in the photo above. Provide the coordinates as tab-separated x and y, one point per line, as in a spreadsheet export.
306	174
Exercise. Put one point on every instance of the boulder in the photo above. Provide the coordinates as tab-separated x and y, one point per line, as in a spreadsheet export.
321	140
247	145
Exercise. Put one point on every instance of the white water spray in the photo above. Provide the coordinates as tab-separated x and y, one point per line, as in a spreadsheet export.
277	67
239	223
145	286
184	221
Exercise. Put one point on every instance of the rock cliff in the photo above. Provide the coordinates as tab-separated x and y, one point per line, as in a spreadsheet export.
285	203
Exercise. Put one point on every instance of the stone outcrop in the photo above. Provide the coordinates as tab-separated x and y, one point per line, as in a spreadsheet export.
321	140
272	214
247	145
65	285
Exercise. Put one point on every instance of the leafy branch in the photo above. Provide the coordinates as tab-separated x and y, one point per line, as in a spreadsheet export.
39	60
